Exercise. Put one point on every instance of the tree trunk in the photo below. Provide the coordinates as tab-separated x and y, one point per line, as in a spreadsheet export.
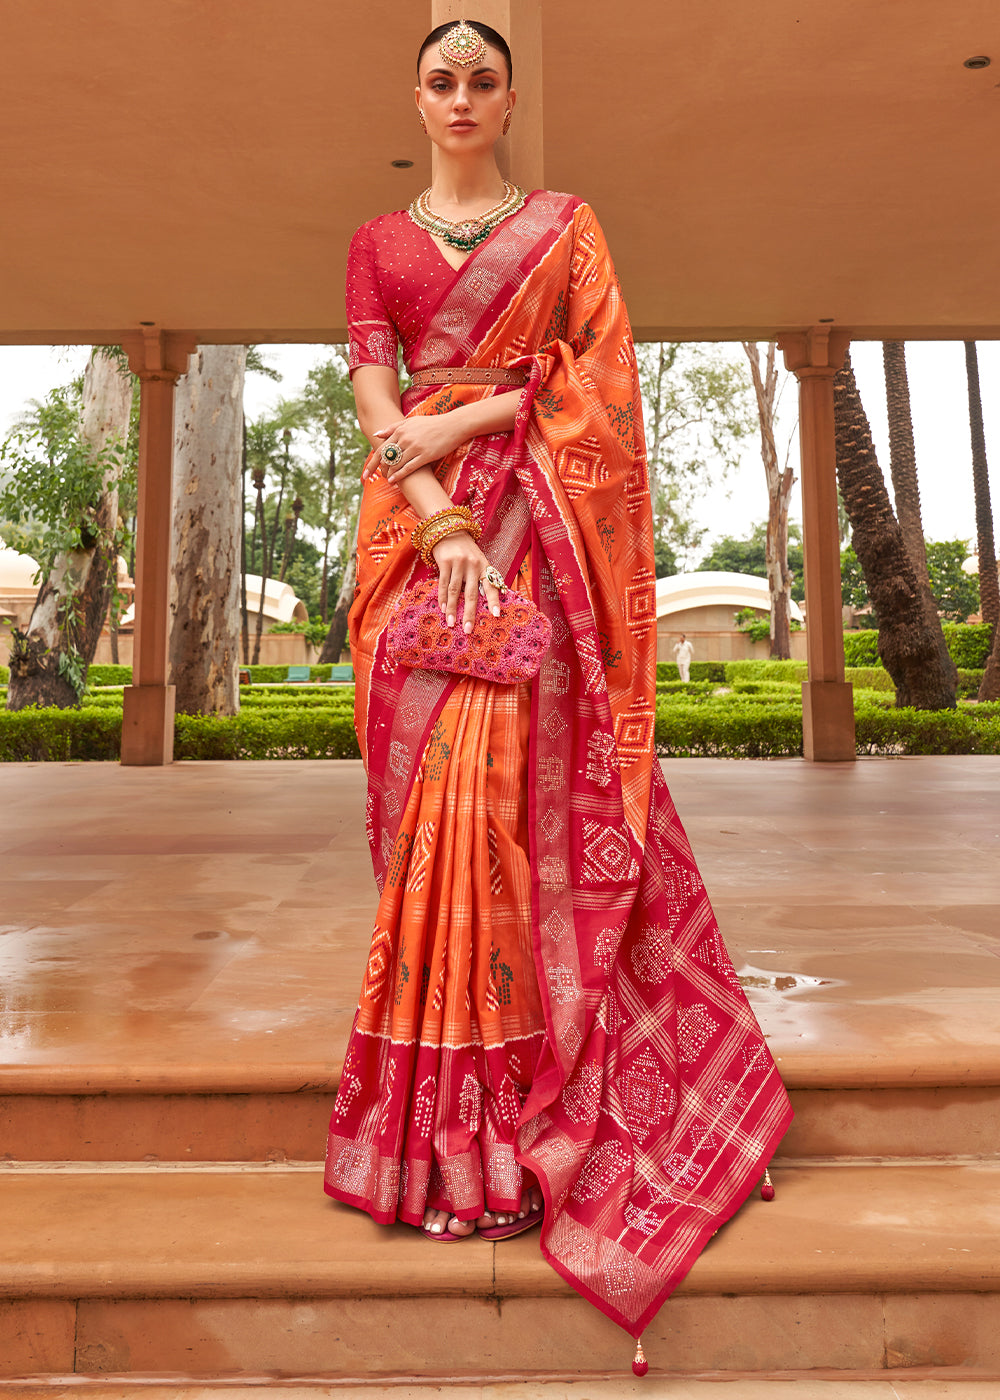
989	588
907	645
207	531
336	636
244	622
49	661
779	494
906	489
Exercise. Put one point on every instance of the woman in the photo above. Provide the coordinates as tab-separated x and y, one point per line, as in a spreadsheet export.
549	1018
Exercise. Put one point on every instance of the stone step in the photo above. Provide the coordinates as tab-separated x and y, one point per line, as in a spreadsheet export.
906	1384
210	1113
215	1270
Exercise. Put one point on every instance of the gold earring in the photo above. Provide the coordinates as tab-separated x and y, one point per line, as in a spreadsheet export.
506	121
420	117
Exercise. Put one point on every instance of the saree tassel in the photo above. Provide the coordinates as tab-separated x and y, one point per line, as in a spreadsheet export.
639	1363
767	1187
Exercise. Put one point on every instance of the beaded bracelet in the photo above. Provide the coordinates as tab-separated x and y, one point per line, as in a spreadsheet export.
439	526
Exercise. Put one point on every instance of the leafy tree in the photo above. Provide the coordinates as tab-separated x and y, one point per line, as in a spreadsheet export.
62	468
664	557
853	589
955	592
698	412
780	481
749	556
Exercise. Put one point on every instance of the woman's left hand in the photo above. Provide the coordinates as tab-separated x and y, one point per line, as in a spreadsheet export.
423	440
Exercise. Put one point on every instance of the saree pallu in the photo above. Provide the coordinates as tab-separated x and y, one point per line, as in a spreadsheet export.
571	1014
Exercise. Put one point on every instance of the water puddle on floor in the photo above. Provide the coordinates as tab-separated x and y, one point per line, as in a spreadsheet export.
785	982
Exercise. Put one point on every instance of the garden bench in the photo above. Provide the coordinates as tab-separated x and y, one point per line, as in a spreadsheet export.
298	673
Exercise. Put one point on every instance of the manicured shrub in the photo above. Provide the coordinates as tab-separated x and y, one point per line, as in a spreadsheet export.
4	675
787	672
969	683
109	675
969	643
861	648
54	735
292	733
700	671
869	678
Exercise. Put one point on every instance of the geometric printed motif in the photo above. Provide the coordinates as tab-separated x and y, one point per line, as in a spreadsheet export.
634	732
606	946
551	774
553	873
643	1090
581	1095
647	1222
551	824
607	854
602	758
711	951
470	1102
423	850
694	1029
379	958
604	1165
682	1170
729	1101
652	955
555	926
562	983
592	665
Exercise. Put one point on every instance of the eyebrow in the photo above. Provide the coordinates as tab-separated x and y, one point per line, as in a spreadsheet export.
450	72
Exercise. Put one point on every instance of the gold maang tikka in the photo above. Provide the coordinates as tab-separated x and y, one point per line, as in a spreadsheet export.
462	46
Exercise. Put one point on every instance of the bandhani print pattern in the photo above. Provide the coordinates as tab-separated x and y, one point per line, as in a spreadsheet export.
627	1075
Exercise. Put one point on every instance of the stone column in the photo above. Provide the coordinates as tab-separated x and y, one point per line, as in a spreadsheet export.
159	358
520	155
814	356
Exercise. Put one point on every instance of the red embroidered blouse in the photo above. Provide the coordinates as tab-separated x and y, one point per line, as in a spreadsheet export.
395	277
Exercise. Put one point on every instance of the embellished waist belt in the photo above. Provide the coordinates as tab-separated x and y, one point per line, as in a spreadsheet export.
468	374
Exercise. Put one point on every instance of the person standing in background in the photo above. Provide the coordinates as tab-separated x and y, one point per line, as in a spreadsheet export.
683	652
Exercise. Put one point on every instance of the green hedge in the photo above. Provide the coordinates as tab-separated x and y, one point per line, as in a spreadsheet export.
968	643
700	671
787	672
861	648
60	735
122	675
4	675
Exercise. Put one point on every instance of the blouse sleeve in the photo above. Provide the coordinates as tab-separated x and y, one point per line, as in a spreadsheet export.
373	338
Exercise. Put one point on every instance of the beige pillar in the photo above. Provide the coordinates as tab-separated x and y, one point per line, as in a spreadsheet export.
521	154
814	356
159	358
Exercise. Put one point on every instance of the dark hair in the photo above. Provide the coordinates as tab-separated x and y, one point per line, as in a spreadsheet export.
495	41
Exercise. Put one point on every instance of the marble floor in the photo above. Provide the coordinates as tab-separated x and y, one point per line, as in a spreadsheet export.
209	922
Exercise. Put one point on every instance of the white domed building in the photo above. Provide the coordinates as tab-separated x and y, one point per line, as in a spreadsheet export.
703	605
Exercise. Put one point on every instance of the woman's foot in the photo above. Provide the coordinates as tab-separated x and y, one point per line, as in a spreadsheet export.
531	1202
442	1222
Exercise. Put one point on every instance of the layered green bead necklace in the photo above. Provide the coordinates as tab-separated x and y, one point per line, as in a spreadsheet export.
466	234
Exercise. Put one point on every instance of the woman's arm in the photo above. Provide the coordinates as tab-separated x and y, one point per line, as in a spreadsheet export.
424	440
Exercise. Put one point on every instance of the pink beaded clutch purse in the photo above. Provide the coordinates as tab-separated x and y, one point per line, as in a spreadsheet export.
505	649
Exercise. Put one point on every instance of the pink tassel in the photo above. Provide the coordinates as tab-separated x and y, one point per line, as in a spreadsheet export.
639	1364
767	1187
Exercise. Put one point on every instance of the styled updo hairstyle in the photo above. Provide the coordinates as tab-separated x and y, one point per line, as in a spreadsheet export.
495	41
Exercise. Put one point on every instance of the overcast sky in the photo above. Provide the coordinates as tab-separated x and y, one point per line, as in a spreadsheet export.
937	391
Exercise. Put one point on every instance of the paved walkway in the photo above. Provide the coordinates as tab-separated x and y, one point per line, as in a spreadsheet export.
213	918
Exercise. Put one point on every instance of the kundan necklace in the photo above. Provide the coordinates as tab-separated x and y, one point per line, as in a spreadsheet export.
466	234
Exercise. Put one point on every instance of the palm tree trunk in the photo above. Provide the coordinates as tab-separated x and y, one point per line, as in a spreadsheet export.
333	643
905	487
989	588
907	645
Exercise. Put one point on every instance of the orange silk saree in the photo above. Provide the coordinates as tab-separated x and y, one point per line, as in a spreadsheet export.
547	995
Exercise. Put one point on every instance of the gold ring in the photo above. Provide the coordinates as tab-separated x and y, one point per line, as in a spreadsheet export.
492	576
390	452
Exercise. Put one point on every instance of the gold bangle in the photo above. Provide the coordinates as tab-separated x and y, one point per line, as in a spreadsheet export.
450	513
441	530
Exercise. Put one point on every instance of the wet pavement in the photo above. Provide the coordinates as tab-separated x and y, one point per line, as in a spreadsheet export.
212	919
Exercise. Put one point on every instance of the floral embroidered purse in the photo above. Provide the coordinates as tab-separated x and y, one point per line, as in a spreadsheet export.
505	649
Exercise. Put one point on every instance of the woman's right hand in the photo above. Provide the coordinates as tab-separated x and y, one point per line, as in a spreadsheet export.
462	564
